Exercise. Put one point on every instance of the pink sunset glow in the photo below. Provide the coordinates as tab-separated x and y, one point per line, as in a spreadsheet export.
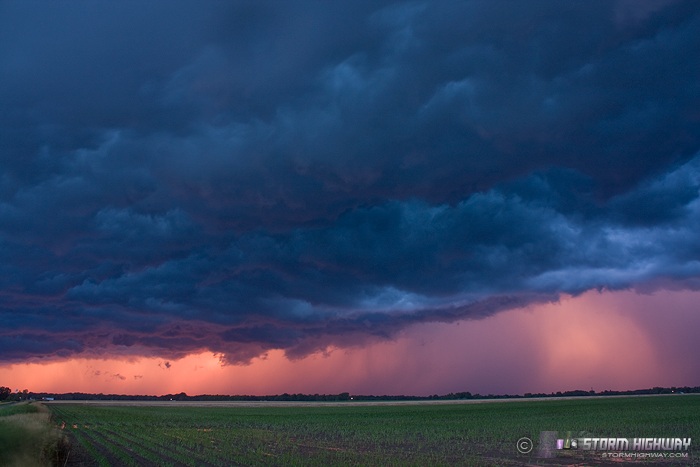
610	340
365	197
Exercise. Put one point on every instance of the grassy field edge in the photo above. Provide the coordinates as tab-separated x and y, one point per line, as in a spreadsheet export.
28	437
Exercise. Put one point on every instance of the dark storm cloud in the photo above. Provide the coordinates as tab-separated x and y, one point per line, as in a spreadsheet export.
245	176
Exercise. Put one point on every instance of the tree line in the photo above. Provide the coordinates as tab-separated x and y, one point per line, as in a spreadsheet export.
6	394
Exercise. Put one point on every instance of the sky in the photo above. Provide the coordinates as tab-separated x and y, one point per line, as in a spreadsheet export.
371	197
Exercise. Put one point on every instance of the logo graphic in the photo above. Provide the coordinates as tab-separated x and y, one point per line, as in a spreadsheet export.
568	443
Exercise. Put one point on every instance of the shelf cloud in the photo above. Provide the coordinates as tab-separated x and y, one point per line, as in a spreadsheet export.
242	177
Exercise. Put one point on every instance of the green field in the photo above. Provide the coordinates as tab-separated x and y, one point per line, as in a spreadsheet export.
418	434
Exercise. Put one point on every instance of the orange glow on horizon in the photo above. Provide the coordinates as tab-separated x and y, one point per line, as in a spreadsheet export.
613	340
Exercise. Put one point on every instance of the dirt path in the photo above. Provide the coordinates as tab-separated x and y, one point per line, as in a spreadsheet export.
343	403
78	456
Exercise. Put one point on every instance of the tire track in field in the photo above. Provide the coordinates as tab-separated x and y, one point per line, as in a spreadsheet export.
96	445
102	443
165	458
78	455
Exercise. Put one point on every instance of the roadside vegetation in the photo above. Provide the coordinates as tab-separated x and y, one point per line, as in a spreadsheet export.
28	437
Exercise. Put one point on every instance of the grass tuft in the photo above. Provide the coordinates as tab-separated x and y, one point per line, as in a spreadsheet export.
28	438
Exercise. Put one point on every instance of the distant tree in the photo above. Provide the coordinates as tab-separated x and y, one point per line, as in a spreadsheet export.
5	393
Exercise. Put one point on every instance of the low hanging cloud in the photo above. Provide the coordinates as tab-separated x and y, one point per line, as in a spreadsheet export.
241	177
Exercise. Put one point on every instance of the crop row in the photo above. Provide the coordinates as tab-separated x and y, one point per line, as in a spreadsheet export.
367	435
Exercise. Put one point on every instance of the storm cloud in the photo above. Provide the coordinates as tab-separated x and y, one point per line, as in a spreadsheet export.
247	176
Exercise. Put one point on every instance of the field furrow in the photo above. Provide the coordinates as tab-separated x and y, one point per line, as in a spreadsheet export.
459	434
116	453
